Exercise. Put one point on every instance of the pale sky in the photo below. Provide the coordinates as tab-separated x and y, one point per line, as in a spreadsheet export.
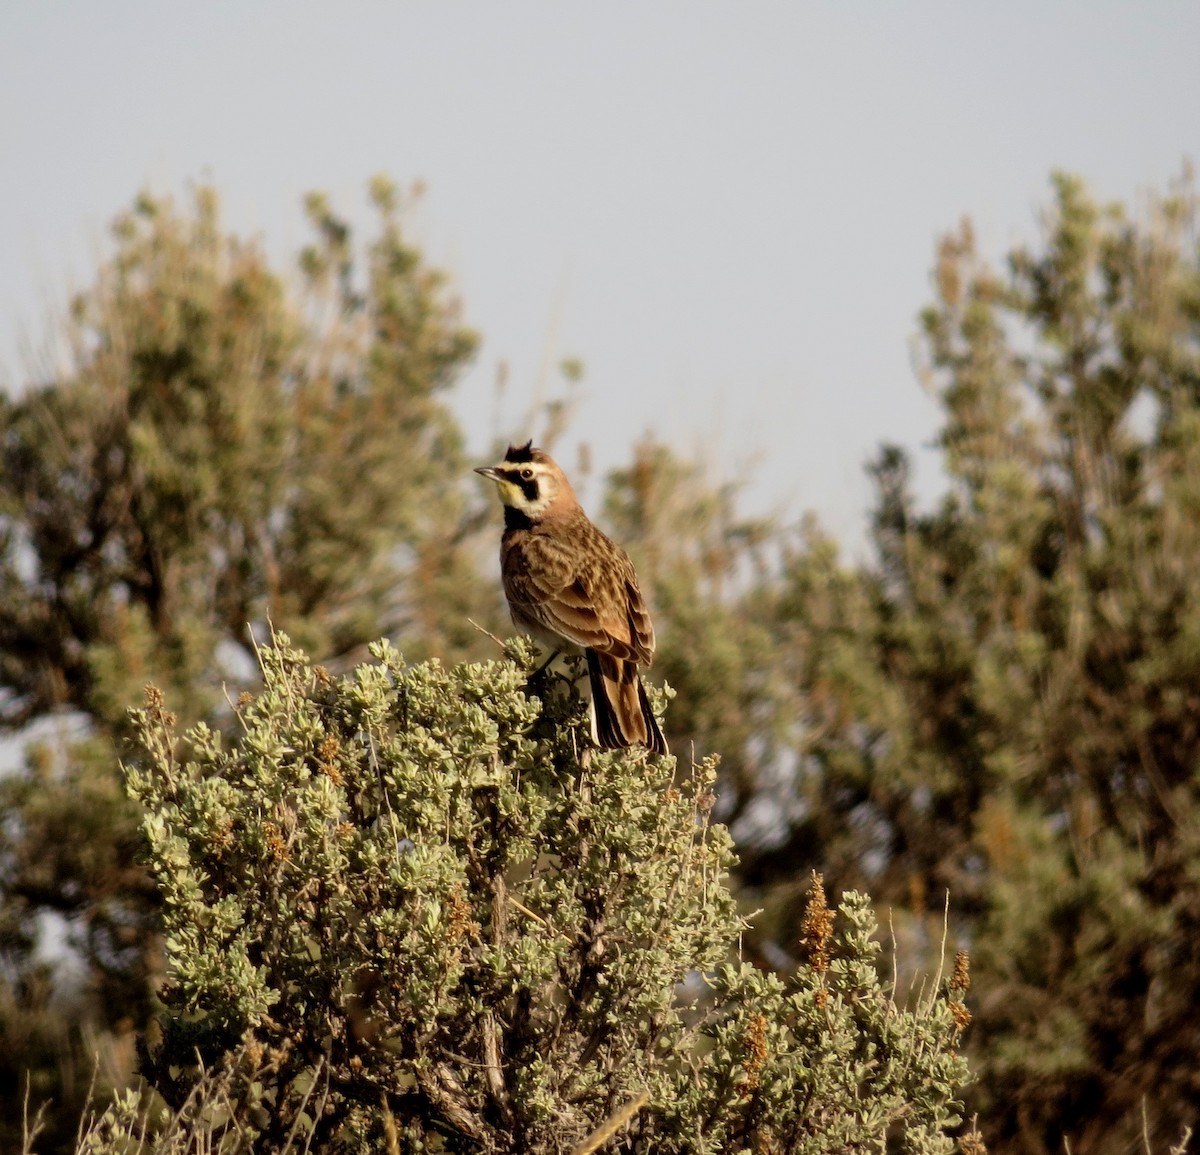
727	211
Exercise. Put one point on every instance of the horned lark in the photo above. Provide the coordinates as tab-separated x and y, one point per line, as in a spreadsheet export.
575	590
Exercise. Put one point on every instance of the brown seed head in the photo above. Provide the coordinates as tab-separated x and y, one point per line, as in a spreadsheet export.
276	843
461	922
328	752
755	1043
817	928
960	983
971	1142
960	980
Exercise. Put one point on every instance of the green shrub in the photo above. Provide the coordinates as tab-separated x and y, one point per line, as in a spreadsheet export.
412	910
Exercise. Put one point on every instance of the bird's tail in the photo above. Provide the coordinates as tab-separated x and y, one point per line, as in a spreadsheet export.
621	714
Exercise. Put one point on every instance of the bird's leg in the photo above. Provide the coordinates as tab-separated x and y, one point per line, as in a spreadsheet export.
539	678
544	666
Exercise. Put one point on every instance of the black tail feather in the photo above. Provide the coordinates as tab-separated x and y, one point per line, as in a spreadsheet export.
620	708
655	742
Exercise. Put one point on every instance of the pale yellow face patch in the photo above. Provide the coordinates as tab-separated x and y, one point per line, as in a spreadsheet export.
510	492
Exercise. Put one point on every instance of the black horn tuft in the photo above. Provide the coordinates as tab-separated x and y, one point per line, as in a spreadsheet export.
520	452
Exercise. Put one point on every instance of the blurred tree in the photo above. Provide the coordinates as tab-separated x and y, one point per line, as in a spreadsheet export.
1001	706
1007	706
703	563
220	453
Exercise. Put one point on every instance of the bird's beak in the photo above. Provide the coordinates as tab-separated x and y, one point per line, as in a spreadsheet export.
488	471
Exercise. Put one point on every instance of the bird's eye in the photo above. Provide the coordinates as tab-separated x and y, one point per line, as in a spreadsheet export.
526	474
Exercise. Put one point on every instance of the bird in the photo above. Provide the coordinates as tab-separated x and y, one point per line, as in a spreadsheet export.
575	590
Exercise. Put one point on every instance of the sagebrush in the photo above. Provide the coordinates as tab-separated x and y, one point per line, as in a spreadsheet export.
411	909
